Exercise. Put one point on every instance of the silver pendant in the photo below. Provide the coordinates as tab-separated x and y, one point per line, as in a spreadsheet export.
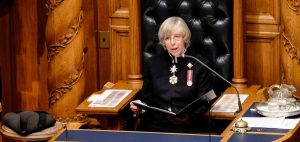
173	69
189	83
173	79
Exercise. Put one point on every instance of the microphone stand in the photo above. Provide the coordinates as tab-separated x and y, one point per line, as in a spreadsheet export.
240	126
220	76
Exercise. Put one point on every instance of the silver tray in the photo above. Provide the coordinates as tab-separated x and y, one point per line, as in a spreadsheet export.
263	109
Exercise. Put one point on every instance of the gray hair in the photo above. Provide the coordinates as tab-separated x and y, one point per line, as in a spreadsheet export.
181	27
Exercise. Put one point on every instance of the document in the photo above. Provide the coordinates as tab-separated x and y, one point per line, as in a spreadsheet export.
109	98
98	96
228	103
270	122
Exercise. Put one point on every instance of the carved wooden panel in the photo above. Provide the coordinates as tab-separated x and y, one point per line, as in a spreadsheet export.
91	45
115	5
290	44
119	39
294	6
64	36
262	41
23	49
103	53
263	11
262	60
262	54
119	53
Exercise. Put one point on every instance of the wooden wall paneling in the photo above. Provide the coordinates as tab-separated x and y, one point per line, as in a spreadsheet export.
23	38
290	44
90	43
262	42
135	75
263	11
5	62
104	57
239	79
114	5
263	59
42	57
119	53
23	56
119	39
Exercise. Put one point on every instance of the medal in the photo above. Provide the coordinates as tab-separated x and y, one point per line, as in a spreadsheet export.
173	79
189	75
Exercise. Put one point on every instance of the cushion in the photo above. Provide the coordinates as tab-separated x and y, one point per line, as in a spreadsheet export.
27	122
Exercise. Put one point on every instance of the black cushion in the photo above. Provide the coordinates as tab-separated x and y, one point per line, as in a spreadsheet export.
210	22
27	122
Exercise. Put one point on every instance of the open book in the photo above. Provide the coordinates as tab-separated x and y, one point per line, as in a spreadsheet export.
228	103
147	107
108	98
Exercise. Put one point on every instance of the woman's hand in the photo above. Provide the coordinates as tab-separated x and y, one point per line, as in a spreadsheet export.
134	108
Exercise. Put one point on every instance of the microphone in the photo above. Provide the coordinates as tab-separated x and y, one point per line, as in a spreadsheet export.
220	76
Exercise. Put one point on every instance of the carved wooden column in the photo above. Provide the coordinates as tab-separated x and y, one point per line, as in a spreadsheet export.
239	79
66	71
135	75
290	46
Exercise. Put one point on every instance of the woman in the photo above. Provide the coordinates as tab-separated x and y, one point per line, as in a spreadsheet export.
171	82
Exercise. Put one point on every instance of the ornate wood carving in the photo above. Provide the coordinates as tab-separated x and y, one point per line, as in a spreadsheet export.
290	44
290	48
51	5
65	39
66	52
294	5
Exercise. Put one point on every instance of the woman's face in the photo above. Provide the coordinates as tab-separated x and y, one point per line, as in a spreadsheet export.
175	43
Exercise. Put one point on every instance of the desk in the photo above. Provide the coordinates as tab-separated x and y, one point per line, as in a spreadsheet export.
264	134
255	95
129	136
111	118
88	135
253	137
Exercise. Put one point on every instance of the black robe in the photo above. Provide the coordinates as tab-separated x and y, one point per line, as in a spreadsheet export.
159	92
